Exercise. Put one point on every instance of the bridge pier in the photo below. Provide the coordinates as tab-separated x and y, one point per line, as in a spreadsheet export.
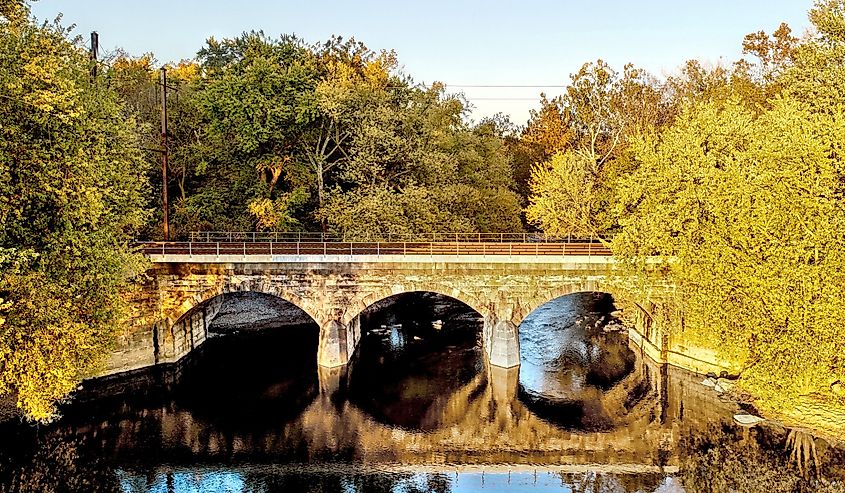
337	342
331	379
504	387
501	341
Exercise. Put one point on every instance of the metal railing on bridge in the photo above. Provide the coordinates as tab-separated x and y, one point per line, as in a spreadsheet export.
286	247
312	237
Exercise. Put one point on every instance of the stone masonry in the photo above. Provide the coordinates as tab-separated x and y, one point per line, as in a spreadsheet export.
173	310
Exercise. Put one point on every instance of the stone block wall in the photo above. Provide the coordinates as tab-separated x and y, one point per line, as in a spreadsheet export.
175	308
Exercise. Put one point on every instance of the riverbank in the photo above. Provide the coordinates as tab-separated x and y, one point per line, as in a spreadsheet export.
820	415
823	418
8	410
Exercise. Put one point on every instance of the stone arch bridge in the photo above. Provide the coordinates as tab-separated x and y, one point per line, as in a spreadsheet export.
335	282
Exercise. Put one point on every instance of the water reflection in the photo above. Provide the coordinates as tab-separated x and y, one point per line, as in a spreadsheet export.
221	385
274	479
571	356
416	410
416	353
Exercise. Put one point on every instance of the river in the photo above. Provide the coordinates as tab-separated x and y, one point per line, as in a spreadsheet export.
416	410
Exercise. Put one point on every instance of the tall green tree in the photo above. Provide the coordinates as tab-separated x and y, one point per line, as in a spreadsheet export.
72	186
590	129
745	208
255	99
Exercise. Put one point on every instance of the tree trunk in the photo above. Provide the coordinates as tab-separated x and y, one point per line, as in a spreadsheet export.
320	182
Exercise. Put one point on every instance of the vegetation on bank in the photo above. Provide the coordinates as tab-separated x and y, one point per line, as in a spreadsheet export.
736	181
734	173
72	190
275	134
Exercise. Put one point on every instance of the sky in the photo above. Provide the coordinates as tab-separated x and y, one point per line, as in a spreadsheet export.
460	43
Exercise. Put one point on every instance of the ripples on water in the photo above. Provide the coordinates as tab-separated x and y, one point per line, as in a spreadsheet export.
415	410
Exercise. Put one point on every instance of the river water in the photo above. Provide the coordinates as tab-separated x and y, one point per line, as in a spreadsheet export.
416	410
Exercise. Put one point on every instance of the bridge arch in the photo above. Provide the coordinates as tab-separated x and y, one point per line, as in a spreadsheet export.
397	334
362	302
529	304
227	285
185	322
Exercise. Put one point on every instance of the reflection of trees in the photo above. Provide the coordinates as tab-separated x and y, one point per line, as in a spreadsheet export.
53	465
592	482
727	459
384	482
802	451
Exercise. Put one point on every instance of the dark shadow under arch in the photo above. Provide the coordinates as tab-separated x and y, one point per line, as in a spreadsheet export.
417	350
258	364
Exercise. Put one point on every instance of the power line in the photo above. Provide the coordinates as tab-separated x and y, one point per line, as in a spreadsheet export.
485	86
501	99
505	86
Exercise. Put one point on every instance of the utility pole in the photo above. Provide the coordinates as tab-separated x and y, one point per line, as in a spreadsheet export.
95	47
164	151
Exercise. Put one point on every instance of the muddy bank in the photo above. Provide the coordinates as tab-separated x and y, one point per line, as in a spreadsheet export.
8	410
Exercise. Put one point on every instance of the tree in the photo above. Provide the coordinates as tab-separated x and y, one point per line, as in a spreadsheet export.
136	80
565	199
378	213
747	205
774	52
72	189
572	192
817	73
253	104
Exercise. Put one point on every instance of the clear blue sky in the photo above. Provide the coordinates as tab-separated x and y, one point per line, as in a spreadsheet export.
528	42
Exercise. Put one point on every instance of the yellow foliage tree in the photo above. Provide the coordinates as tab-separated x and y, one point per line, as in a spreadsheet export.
748	207
565	197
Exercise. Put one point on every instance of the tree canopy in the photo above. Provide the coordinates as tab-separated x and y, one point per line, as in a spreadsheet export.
72	189
277	134
728	186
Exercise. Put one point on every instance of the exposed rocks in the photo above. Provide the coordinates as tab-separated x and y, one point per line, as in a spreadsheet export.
724	385
748	419
614	325
838	388
719	385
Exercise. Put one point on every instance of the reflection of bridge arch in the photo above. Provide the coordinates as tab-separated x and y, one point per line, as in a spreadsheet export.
486	412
